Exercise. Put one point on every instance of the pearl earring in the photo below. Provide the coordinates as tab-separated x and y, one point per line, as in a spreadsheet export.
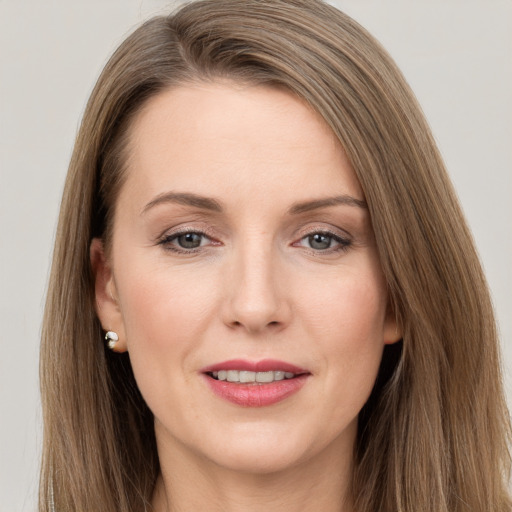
111	338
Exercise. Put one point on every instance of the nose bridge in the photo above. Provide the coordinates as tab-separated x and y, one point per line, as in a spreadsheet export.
256	300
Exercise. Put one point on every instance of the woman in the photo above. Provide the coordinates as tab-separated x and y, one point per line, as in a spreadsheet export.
264	293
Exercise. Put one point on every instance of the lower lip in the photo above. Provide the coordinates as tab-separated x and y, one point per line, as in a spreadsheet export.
256	395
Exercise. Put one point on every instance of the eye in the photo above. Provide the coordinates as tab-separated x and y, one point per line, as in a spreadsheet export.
186	241
190	240
320	241
324	241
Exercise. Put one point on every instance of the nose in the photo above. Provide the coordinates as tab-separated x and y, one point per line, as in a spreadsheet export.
257	301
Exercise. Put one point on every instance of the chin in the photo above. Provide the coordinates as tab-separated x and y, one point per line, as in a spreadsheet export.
258	460
271	450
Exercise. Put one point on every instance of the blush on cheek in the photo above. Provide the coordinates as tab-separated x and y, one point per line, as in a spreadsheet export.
166	313
353	306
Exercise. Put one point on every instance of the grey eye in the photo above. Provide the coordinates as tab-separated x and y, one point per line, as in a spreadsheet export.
320	241
189	240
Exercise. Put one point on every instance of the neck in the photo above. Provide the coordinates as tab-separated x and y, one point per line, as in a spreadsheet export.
189	482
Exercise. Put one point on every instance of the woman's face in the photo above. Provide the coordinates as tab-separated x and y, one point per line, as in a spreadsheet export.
243	250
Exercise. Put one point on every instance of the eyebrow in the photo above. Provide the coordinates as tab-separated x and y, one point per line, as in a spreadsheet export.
316	204
208	203
185	199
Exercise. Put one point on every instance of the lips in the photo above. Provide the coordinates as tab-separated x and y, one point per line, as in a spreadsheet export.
254	384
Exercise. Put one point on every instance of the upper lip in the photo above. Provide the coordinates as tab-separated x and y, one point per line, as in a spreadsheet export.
264	365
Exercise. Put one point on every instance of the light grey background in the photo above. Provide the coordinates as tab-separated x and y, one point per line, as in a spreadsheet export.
456	54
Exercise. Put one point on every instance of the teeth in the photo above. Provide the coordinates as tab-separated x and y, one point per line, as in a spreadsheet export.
233	376
247	376
244	376
265	377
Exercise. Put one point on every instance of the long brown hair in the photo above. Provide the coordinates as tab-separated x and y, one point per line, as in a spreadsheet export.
434	435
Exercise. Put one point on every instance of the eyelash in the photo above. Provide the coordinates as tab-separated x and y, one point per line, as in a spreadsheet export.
167	241
343	243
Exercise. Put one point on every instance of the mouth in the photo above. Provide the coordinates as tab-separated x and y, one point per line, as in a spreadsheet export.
255	384
250	377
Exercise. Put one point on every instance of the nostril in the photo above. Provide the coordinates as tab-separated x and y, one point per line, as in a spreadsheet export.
236	324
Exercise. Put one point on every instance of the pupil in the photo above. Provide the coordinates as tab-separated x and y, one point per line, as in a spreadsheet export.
189	240
320	241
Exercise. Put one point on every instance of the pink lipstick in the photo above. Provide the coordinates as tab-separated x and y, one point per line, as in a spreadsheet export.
254	384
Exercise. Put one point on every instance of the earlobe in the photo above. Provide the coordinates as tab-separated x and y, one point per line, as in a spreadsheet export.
392	329
393	338
107	304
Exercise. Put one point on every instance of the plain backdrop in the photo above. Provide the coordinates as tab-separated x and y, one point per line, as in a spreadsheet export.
456	54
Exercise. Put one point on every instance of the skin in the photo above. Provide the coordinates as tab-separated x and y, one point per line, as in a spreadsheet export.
258	287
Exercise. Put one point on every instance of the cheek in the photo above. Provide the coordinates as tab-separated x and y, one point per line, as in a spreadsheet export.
350	306
165	315
163	304
347	320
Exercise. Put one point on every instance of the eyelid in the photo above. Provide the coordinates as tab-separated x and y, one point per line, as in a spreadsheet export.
183	229
325	228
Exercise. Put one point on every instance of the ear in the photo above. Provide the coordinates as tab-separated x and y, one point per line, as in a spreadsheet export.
392	329
107	304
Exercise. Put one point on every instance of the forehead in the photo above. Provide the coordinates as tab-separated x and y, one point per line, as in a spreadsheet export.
242	137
